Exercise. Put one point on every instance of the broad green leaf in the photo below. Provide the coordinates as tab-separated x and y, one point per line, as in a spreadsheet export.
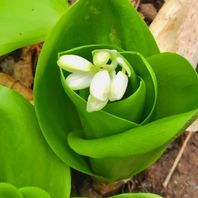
136	195
9	191
27	22
132	150
34	192
129	142
177	84
26	159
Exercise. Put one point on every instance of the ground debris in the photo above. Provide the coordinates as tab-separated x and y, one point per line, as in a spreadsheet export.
23	69
14	84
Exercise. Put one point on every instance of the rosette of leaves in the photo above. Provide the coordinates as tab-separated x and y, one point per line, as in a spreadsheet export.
128	135
27	162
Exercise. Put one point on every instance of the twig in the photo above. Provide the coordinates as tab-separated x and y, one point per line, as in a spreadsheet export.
166	181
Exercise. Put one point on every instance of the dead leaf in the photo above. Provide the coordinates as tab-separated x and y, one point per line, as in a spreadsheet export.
24	68
14	84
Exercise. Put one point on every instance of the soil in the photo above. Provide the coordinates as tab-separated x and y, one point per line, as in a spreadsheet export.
184	181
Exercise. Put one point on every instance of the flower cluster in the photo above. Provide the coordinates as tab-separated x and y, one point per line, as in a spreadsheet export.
104	78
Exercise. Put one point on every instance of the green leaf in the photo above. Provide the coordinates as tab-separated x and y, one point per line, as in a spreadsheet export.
10	191
177	84
34	192
132	150
27	22
110	168
129	142
136	195
26	159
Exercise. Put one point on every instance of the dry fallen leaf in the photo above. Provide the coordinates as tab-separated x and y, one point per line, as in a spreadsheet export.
23	69
14	84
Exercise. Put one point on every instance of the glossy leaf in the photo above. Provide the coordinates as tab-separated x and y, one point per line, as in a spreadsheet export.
33	192
27	22
128	143
177	84
136	195
10	191
26	159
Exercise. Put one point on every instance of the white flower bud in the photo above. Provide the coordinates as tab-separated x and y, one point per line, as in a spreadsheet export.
101	57
79	80
118	86
100	85
73	63
94	104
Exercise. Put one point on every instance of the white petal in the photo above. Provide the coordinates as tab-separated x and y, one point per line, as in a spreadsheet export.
124	64
74	63
100	57
118	86
94	104
79	80
100	85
